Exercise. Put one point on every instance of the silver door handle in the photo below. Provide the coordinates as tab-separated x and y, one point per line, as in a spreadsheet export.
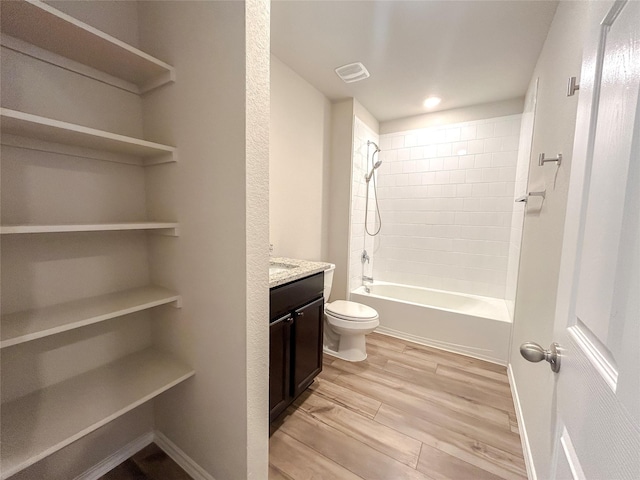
535	353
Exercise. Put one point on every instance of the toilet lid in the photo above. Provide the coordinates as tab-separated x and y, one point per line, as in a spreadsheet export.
350	311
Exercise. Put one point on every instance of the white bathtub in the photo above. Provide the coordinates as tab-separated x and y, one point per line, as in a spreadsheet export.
468	324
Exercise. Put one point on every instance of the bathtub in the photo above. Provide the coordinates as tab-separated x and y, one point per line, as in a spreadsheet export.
476	326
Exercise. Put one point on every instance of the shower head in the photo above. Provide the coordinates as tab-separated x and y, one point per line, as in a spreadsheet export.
370	174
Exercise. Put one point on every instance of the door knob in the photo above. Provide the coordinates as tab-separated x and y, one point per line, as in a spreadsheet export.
535	353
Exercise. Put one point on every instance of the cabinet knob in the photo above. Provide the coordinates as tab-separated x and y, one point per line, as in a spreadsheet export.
300	314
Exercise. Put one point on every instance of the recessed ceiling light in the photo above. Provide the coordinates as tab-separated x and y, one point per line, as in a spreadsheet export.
432	102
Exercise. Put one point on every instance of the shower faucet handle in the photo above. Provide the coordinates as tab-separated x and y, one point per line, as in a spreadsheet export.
364	257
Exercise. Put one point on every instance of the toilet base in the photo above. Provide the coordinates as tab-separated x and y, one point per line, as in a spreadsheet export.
352	348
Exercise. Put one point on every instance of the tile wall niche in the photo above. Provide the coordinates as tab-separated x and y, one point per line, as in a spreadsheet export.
359	240
446	196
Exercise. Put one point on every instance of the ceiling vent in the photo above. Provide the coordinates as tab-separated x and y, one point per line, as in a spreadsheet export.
354	72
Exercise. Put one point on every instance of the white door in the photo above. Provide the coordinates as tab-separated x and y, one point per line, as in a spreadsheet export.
597	320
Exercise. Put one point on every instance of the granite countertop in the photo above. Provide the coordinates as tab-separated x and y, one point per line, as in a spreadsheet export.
295	270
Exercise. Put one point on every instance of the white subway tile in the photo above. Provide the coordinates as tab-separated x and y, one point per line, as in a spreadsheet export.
440	135
402	180
422	165
475	146
442	177
404	154
444	150
457	176
466	161
492	144
395	167
468	132
482	160
450	163
410	140
473	175
452	134
386	142
502	128
508	144
491	174
409	166
485	130
504	159
430	151
448	190
428	178
436	164
397	142
415	179
459	148
416	153
463	190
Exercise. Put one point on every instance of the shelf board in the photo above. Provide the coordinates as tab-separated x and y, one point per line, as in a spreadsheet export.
168	228
49	29
24	326
42	129
47	420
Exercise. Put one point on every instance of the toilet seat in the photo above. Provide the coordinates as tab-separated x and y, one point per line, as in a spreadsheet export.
351	311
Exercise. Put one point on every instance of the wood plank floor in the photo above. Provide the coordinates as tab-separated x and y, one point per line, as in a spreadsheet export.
150	463
407	412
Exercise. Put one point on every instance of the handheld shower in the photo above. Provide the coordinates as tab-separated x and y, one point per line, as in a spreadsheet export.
368	176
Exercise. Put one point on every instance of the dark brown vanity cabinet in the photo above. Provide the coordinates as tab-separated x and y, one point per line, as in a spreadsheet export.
295	335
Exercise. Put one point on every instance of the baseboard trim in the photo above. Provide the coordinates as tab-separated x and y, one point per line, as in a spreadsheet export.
461	350
115	459
526	447
181	458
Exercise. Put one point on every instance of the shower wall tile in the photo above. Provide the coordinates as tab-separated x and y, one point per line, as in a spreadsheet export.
446	200
361	165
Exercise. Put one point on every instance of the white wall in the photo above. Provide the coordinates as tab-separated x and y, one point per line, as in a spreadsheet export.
299	153
217	115
560	59
361	165
340	199
446	199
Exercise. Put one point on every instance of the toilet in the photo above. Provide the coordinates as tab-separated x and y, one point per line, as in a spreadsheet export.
346	324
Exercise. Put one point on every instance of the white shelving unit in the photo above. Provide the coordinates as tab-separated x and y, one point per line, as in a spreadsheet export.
20	327
44	32
166	228
46	134
47	420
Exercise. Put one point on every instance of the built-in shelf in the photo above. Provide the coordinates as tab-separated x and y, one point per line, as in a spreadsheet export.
40	133
49	33
24	326
47	420
165	228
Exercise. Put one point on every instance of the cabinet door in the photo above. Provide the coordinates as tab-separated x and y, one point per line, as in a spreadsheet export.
307	344
279	365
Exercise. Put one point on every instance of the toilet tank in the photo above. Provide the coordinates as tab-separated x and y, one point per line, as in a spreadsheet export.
328	281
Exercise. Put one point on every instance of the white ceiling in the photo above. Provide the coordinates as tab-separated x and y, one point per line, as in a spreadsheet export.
467	52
